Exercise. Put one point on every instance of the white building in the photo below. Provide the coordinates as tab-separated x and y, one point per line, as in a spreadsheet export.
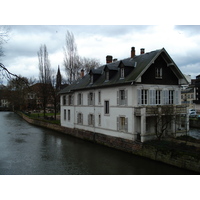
127	98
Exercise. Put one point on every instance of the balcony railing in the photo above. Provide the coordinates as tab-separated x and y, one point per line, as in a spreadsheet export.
161	109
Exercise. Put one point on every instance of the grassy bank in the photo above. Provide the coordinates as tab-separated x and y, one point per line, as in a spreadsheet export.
49	117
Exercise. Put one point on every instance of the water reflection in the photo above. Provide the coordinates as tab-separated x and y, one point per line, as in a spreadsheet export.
27	149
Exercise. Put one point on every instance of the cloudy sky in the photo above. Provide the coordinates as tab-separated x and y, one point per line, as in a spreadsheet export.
96	41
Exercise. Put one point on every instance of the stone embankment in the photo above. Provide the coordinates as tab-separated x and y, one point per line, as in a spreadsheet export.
194	123
185	161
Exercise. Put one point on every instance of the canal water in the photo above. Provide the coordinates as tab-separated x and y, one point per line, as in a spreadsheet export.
29	150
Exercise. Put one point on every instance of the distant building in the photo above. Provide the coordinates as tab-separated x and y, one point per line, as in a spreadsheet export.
128	98
187	97
196	83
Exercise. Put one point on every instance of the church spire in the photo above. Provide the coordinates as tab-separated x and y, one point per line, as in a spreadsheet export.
58	79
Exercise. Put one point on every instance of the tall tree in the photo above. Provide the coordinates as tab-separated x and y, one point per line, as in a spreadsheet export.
44	76
71	58
16	93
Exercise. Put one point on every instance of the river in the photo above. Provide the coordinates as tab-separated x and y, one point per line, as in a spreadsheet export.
29	150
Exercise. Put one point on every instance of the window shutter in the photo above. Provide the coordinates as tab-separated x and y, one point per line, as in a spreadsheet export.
88	98
118	97
72	99
89	119
67	99
93	120
176	97
81	118
126	97
139	96
81	98
118	123
93	100
77	119
126	124
166	97
152	97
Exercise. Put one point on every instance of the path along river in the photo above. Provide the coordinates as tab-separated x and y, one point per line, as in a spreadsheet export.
29	150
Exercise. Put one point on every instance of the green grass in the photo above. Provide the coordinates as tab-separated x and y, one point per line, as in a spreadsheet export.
40	116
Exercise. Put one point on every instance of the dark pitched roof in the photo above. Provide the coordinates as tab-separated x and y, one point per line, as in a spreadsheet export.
139	64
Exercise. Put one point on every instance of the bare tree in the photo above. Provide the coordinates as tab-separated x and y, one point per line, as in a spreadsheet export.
89	63
71	58
164	116
44	76
4	35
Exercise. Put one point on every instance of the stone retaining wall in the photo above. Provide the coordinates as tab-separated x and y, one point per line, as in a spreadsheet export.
137	148
195	123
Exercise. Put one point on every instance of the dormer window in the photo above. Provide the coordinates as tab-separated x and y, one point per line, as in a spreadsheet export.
122	72
107	75
91	78
158	72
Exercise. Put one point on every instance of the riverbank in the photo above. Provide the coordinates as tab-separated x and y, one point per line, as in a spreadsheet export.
170	152
195	123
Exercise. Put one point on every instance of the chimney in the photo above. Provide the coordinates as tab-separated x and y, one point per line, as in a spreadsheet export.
132	52
82	73
115	59
142	51
108	59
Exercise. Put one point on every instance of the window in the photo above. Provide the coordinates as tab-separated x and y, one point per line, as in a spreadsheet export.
158	74
65	114
99	120
106	107
99	97
68	115
122	97
107	75
171	96
122	72
168	97
91	79
122	124
64	100
144	96
91	120
80	118
79	99
158	97
91	99
70	100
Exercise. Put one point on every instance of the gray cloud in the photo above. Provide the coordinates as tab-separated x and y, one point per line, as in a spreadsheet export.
97	41
188	29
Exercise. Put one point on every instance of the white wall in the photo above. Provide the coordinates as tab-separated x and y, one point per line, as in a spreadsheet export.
108	121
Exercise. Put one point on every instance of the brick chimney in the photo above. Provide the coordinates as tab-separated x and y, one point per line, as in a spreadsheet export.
132	52
82	73
142	51
108	59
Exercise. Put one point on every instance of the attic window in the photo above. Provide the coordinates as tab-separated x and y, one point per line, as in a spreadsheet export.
122	72
91	79
158	73
107	75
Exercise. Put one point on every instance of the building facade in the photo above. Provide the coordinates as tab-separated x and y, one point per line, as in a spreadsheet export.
137	98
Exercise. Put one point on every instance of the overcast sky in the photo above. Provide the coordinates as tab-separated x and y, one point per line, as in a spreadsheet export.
96	41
